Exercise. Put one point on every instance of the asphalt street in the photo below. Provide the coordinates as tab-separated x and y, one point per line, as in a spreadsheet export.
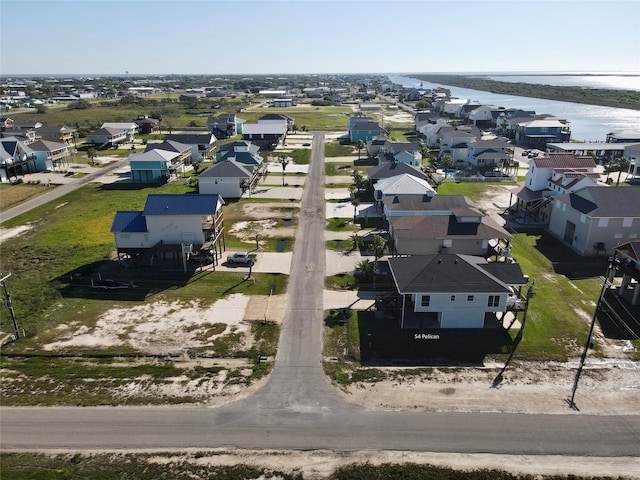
298	408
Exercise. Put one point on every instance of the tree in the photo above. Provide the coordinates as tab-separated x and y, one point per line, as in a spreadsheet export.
445	164
358	179
91	154
365	267
378	247
356	241
41	109
284	161
622	164
294	128
353	190
355	202
360	145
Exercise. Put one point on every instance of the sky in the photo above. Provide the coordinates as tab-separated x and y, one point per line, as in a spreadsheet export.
317	36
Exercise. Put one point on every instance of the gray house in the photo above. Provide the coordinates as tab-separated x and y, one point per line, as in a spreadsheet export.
456	291
594	220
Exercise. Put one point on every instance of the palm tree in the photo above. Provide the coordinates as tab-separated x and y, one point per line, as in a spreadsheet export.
91	154
366	267
360	145
352	190
358	179
378	247
284	161
622	164
356	241
294	128
355	202
445	164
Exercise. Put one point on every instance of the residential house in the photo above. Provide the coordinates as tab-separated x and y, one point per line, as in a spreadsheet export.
365	131
555	174
392	169
130	128
375	144
403	184
455	291
154	166
402	152
357	118
6	124
229	178
487	155
49	155
60	134
537	133
107	137
147	125
225	126
485	116
184	151
595	219
624	136
433	133
240	151
15	158
422	118
277	118
266	135
203	145
427	224
627	257
455	143
632	153
170	229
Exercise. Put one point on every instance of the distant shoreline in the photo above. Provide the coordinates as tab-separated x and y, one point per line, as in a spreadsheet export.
590	96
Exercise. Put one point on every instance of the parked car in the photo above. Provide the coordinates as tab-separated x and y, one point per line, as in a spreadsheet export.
306	144
240	257
525	153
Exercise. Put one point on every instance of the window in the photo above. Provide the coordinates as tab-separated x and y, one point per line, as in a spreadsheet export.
603	222
627	222
469	298
426	300
494	301
453	298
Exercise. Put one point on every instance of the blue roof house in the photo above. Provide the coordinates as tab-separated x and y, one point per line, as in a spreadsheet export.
170	227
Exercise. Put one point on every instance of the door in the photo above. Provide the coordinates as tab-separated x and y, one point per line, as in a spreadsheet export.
569	232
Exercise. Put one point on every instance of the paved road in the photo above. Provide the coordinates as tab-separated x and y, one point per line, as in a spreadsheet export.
57	192
298	409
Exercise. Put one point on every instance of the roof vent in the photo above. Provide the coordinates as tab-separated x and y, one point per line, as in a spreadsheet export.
455	261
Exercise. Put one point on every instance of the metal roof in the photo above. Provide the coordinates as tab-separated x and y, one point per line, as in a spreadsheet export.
181	204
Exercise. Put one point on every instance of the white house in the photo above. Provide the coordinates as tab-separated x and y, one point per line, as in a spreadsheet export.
130	128
169	229
228	178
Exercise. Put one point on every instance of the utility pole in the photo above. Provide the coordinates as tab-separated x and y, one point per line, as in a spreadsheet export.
9	305
606	282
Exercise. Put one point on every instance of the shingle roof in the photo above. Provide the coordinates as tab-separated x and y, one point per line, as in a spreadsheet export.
107	131
601	201
129	221
192	138
632	249
446	274
154	155
366	126
169	146
181	204
445	226
391	169
228	169
46	146
427	203
563	160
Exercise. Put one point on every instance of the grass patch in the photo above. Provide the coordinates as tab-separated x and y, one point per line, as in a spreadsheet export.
341	225
476	191
338	168
102	466
335	149
315	118
14	194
